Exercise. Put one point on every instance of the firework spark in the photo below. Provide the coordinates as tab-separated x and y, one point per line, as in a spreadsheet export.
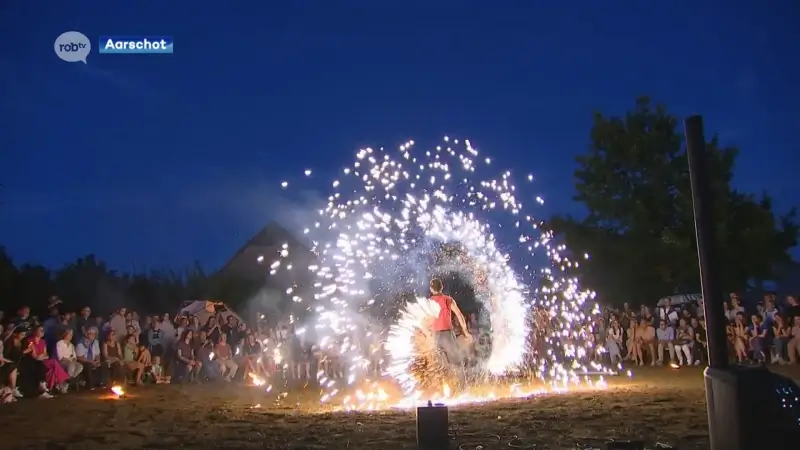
391	203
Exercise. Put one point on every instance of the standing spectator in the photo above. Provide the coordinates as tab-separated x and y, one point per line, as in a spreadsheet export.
65	354
229	328
88	353
684	337
23	320
668	313
117	324
83	323
132	322
52	329
735	308
792	309
701	312
155	338
665	335
769	309
212	328
794	341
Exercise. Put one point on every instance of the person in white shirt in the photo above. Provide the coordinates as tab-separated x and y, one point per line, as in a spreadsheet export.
65	354
668	313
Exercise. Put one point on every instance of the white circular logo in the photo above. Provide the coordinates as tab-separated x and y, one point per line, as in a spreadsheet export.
72	46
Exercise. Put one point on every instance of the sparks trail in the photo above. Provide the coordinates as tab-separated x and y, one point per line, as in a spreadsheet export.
392	206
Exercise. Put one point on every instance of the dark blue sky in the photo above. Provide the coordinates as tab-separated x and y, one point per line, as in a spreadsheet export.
160	160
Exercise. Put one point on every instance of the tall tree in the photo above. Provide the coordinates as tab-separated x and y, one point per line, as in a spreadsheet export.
639	230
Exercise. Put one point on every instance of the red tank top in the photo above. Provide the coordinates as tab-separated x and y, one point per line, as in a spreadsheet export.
444	321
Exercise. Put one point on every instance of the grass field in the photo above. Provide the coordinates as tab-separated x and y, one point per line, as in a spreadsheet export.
656	405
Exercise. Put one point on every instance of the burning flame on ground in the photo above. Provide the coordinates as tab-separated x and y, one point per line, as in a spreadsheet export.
374	398
118	391
258	381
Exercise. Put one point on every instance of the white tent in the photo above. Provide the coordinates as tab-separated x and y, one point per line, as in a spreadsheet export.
680	299
203	309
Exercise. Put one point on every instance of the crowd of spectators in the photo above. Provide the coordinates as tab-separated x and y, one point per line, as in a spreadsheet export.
675	334
73	351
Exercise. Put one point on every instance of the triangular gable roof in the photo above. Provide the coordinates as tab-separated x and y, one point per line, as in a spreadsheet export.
266	242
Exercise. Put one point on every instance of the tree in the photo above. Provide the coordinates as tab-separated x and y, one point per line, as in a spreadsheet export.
639	230
88	282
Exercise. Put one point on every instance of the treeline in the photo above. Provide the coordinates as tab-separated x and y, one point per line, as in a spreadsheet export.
89	281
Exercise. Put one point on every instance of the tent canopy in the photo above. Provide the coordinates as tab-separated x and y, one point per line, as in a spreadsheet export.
203	309
680	299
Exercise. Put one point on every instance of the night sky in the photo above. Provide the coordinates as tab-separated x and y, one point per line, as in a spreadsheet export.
158	160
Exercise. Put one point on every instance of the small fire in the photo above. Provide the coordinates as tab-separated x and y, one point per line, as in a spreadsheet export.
118	391
258	381
674	366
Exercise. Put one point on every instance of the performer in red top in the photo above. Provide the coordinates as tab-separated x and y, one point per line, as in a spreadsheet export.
443	324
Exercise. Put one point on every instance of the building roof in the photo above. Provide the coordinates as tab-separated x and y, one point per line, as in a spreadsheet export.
268	243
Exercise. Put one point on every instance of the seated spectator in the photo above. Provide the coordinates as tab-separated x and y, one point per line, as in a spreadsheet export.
700	347
633	342
9	372
157	371
65	354
204	352
130	359
780	340
33	373
224	355
112	358
757	333
684	337
614	342
252	350
793	347
55	375
665	336
740	337
647	334
88	354
186	367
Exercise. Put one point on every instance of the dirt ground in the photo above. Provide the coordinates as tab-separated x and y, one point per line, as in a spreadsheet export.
655	405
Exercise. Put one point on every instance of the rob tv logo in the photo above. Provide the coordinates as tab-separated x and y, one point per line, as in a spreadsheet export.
73	46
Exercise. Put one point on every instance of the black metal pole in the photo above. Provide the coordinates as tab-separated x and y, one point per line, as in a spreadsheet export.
706	243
